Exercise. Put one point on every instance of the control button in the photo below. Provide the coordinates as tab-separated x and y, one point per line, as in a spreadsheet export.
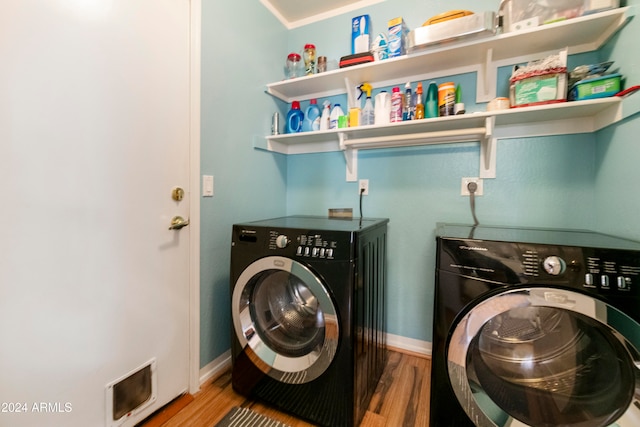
588	279
299	251
282	241
307	250
329	253
622	283
314	252
322	252
604	281
554	265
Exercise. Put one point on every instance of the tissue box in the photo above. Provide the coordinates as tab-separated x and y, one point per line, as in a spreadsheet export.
360	34
398	31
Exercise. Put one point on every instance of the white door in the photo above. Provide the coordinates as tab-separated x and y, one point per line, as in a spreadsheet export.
94	134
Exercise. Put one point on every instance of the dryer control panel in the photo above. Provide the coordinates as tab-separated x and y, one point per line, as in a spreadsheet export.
306	244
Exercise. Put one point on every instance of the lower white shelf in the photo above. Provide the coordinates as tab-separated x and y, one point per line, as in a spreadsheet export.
485	127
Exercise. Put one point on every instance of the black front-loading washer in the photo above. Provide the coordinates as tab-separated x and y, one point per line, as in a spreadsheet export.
535	327
307	304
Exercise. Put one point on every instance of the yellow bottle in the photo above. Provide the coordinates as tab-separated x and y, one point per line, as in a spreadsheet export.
419	104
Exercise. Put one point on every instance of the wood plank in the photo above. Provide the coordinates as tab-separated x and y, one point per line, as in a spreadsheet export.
401	399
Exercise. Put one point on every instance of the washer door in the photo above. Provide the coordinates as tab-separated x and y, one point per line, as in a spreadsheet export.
285	320
546	357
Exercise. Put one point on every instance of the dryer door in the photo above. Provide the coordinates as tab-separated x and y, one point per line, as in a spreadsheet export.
285	319
546	356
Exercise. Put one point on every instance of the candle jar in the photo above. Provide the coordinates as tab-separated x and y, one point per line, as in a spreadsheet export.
309	59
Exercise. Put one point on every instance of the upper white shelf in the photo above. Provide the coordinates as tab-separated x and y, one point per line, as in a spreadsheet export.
583	34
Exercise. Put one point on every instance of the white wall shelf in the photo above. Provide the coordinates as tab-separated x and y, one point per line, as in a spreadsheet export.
485	127
484	56
583	34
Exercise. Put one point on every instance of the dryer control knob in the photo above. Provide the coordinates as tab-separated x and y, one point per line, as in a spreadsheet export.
282	241
554	265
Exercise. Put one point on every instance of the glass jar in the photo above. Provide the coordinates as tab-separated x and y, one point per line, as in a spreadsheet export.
293	66
322	64
309	59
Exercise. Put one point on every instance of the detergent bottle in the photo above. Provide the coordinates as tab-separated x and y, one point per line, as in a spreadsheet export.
336	113
368	113
295	116
311	117
431	104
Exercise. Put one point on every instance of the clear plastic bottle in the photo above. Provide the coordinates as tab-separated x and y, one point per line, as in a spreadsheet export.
367	115
396	105
407	109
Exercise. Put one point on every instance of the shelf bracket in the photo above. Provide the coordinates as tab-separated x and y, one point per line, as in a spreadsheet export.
486	79
351	157
488	146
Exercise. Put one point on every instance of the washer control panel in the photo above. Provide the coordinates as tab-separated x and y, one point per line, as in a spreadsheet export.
598	270
607	270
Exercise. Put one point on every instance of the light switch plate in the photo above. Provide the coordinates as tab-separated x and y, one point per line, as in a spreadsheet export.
207	185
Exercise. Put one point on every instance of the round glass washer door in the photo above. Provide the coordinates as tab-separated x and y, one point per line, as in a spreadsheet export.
285	319
546	357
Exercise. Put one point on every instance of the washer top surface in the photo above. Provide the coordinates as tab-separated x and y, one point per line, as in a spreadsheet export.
545	236
308	222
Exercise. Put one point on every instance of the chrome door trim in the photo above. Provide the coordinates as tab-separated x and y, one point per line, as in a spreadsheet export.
292	370
471	323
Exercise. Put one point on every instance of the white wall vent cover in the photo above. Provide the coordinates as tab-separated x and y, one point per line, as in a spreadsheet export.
296	13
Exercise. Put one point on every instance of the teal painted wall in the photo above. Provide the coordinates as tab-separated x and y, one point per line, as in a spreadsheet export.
574	181
249	184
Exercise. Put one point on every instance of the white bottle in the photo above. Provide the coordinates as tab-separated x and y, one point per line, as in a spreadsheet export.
336	113
325	119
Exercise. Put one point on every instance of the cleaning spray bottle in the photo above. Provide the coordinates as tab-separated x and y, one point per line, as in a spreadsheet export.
367	115
325	119
407	110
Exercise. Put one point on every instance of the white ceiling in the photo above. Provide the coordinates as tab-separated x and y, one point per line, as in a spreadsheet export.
295	13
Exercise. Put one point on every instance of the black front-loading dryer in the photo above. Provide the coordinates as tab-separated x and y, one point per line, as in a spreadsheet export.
307	304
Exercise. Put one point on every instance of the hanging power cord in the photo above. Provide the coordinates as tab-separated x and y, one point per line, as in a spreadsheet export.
361	194
473	187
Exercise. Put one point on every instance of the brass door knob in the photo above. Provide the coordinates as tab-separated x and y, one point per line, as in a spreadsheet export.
177	222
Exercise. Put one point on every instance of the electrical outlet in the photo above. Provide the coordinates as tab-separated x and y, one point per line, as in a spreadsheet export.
464	188
363	184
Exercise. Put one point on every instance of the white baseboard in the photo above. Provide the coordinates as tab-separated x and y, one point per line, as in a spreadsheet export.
409	344
215	367
223	362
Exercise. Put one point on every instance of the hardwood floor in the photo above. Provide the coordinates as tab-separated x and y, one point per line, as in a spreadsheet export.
401	399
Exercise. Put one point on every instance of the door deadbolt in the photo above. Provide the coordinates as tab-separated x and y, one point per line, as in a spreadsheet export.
177	194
